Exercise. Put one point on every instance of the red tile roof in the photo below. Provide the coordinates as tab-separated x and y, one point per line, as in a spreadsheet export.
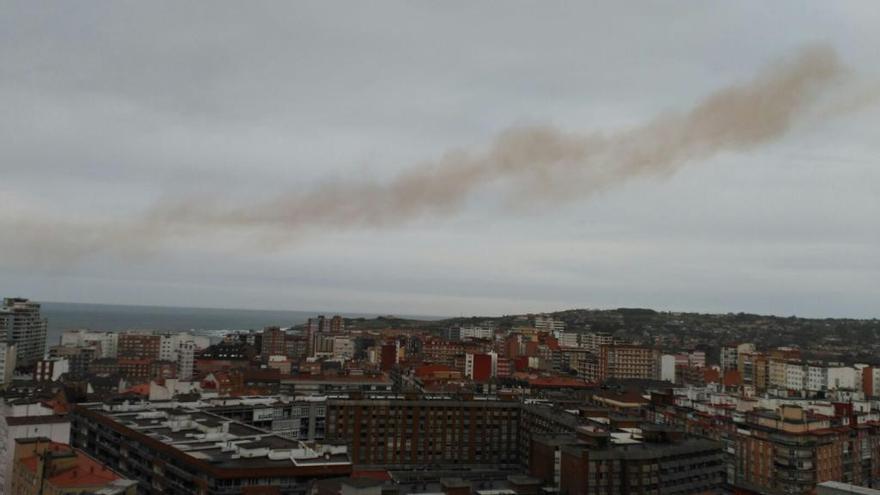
430	369
142	389
87	472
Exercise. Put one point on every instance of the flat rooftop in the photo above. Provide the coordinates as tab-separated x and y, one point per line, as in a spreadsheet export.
224	443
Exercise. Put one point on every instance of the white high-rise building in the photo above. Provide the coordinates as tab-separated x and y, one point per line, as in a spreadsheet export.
570	339
667	367
728	358
594	341
817	378
874	376
697	359
185	359
171	343
484	332
795	377
546	323
7	363
343	348
168	346
22	324
841	377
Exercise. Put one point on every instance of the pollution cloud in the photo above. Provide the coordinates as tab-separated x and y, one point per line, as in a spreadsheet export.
539	163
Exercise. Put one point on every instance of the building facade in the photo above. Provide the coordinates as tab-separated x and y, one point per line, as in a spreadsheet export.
139	346
628	362
22	324
194	452
399	432
7	363
43	467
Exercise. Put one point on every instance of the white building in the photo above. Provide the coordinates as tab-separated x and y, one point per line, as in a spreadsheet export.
841	377
594	341
24	420
170	344
106	342
7	363
343	348
697	359
817	378
484	332
22	324
171	387
569	339
746	348
667	367
51	369
875	382
186	353
776	374
546	323
795	378
728	358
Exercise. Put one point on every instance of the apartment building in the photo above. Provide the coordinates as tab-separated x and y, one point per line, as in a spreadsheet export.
781	445
44	467
628	361
7	363
193	452
546	323
78	358
105	343
728	358
186	353
23	418
50	369
273	343
139	346
304	418
660	462
22	325
400	432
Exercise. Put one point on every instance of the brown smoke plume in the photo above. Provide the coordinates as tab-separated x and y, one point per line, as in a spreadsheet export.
548	164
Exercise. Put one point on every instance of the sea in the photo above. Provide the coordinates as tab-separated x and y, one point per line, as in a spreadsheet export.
210	322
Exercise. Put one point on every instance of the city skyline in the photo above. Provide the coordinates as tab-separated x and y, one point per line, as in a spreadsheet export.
115	109
440	248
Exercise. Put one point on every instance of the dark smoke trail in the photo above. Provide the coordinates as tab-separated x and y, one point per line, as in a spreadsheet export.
548	164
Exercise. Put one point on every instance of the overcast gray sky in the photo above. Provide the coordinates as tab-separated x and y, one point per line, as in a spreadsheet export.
108	108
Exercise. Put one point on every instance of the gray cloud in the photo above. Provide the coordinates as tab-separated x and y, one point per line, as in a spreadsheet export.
543	163
112	108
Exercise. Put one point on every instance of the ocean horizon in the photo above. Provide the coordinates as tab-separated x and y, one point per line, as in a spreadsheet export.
63	316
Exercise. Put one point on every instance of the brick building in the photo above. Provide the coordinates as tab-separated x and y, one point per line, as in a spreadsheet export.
407	432
273	343
139	345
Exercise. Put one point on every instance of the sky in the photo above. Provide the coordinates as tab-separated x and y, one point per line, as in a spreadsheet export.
112	108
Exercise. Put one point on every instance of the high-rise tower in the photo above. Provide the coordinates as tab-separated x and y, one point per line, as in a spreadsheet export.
22	324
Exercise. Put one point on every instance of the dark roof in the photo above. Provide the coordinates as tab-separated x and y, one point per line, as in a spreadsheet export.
36	420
